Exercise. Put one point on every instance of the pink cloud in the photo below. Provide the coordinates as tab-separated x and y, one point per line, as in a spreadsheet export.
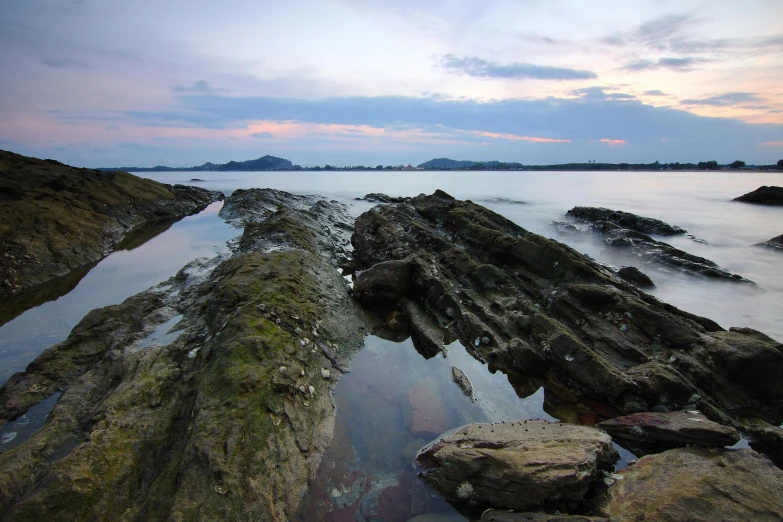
772	144
515	137
612	143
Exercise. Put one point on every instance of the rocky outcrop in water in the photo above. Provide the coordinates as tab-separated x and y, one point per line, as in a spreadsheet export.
547	316
765	195
376	197
697	484
226	422
635	276
518	465
629	231
55	219
775	242
606	219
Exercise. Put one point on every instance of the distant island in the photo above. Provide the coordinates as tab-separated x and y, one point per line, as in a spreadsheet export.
264	163
272	163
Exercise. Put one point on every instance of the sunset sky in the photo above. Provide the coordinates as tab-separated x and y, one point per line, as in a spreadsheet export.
348	82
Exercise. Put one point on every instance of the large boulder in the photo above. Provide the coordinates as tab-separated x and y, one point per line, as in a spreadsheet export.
383	283
697	484
675	428
518	465
765	195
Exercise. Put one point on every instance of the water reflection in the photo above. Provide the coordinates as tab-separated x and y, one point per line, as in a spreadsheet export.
17	431
144	261
391	404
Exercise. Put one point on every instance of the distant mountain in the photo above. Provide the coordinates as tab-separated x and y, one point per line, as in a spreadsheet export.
446	163
263	163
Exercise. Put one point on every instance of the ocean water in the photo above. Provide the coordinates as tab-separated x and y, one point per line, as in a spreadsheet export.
367	472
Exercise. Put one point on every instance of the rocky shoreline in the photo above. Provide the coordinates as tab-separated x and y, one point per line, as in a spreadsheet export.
229	420
58	221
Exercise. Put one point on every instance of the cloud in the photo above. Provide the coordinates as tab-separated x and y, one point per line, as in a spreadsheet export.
612	143
514	137
772	144
65	63
480	68
599	93
673	64
199	87
655	92
262	135
724	100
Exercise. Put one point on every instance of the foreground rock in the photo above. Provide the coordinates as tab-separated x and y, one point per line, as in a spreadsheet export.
763	196
55	219
548	316
775	242
629	231
672	429
518	465
635	276
697	484
607	219
226	422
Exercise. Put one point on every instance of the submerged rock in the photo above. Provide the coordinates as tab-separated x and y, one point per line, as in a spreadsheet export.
208	426
697	484
425	413
57	219
462	381
605	218
548	316
518	465
765	195
672	429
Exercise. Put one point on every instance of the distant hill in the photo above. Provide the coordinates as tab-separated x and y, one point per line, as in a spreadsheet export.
446	163
263	163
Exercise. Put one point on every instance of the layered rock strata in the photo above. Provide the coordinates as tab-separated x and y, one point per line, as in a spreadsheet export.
226	422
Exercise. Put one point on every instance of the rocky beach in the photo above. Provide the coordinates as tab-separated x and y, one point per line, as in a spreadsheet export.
211	395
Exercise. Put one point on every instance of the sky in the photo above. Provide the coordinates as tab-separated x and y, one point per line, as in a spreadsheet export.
103	83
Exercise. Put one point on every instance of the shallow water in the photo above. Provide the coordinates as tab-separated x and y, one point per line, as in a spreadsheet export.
118	276
391	404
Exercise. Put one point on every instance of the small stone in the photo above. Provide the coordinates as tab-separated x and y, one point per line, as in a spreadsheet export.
464	490
311	390
325	373
485	340
283	370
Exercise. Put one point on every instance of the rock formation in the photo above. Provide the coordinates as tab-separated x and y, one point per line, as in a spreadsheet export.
766	195
56	219
228	421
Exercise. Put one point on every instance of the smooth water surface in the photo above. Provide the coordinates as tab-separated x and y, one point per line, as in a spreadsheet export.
120	275
391	404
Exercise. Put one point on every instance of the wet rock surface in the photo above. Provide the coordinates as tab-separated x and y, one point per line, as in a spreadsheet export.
375	197
765	195
547	316
697	484
635	276
55	219
207	426
629	231
607	219
462	381
775	242
672	429
518	465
